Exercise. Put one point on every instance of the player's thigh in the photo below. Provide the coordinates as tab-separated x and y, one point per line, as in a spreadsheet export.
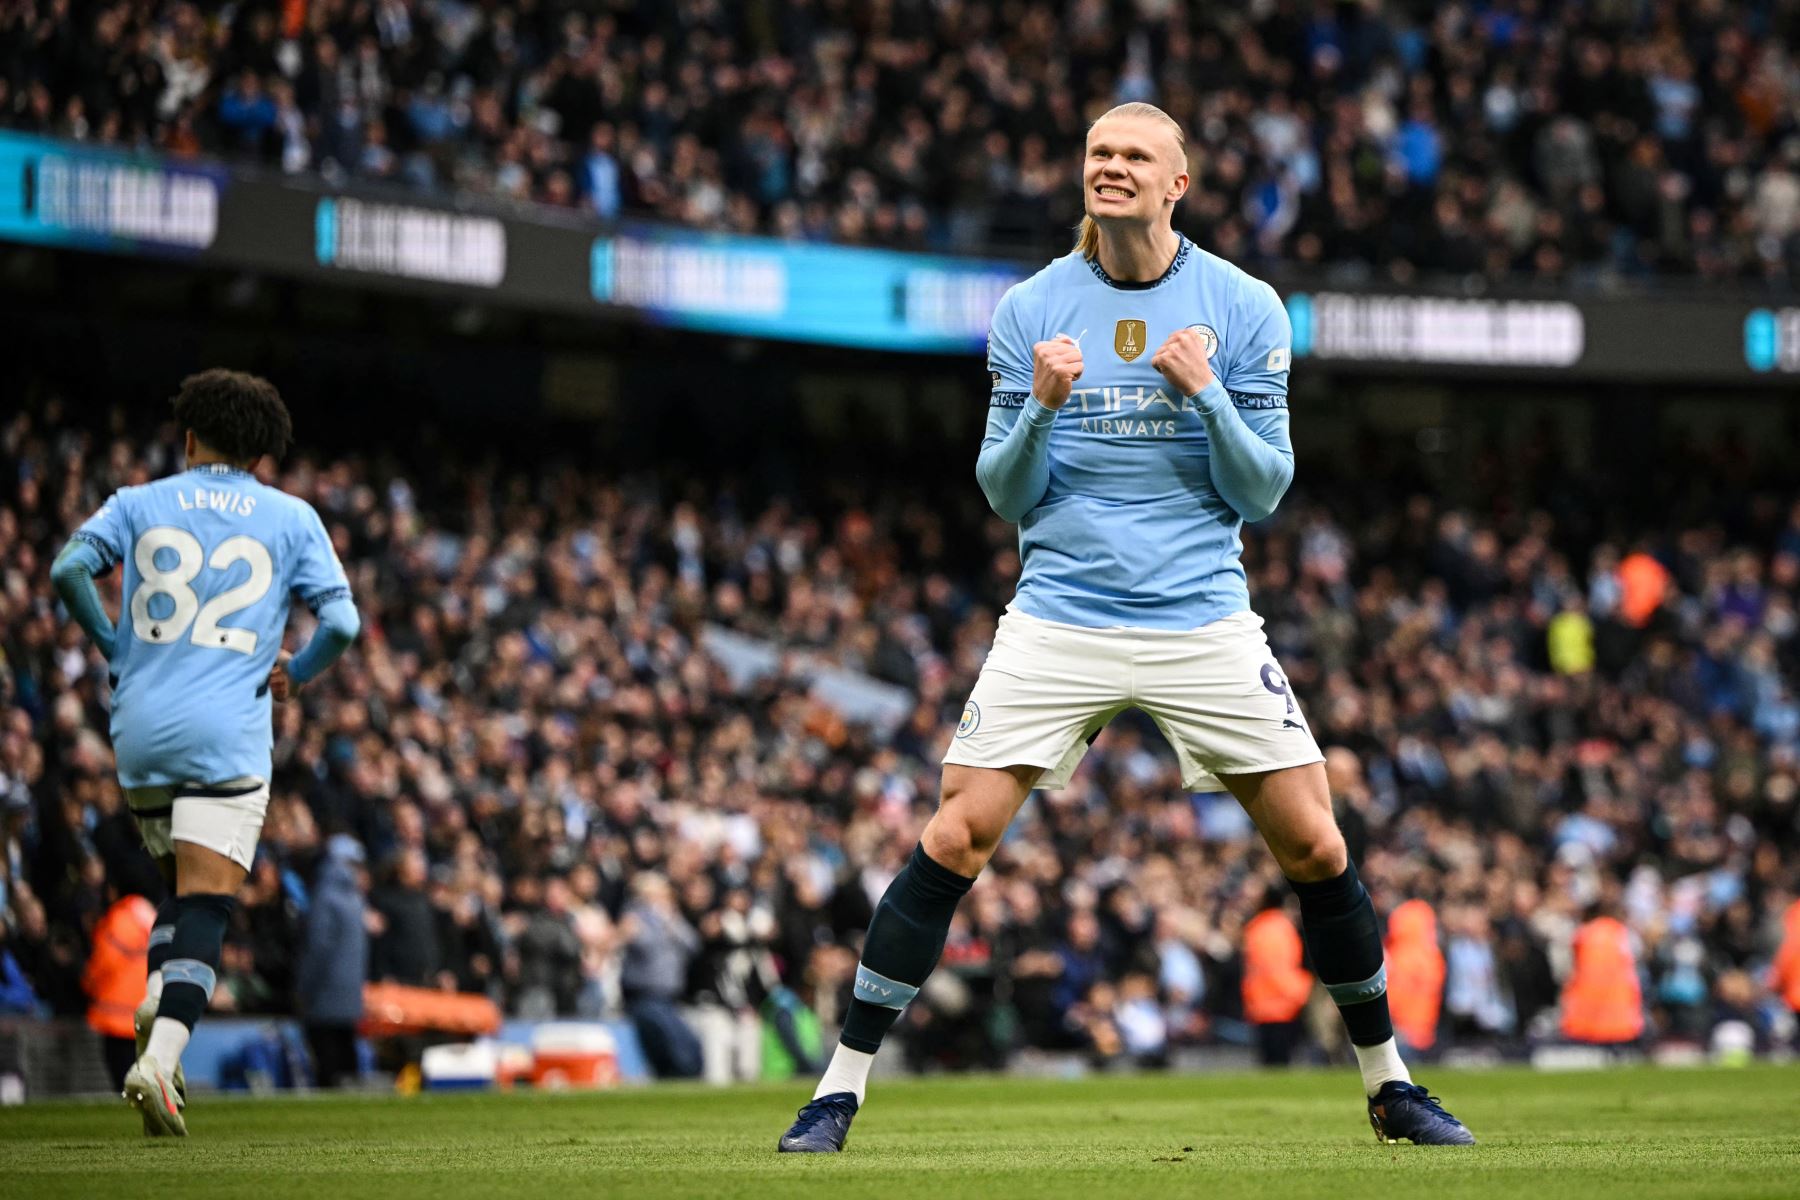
1223	701
203	872
1043	693
1292	810
152	810
215	830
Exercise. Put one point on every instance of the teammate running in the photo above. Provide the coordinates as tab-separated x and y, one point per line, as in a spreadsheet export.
211	558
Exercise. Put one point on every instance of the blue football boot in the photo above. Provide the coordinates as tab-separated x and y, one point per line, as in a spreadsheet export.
821	1126
1407	1111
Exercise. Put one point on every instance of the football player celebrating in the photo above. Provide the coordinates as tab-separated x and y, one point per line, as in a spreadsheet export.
1139	416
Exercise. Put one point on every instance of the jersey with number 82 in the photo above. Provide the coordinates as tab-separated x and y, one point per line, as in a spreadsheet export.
211	559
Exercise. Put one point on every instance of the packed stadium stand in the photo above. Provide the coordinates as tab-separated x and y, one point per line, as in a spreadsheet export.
584	750
1574	144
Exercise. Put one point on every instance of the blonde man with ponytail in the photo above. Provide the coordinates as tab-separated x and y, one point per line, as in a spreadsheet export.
1087	236
1130	472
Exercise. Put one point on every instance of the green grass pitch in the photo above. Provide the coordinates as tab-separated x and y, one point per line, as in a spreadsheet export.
1640	1133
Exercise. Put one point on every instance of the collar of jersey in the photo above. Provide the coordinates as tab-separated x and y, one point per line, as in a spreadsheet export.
1181	257
219	469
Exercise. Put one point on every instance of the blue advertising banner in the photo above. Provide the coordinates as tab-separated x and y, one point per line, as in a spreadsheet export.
75	195
1772	340
67	194
1431	330
410	242
841	295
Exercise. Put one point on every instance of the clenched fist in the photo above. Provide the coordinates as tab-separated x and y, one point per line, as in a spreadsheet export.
1055	366
281	686
1182	361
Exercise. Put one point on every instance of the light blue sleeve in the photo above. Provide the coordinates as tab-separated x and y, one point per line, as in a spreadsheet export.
102	541
1245	410
316	577
108	532
338	627
1014	466
73	576
1262	352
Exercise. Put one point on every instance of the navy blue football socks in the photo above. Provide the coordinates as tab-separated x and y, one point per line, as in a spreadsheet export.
905	939
1343	938
162	934
190	969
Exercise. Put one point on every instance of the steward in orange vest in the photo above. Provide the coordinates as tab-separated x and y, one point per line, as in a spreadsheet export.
117	968
1415	968
1603	1001
1784	976
1276	984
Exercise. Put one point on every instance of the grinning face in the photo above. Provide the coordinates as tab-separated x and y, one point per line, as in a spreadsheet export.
1135	170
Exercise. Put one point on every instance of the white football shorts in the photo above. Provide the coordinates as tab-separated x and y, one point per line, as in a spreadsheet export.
1216	692
226	818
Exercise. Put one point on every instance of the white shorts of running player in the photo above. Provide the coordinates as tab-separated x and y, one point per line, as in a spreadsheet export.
226	818
1216	693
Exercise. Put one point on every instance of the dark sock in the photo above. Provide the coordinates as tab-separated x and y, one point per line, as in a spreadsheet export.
1343	938
191	968
905	938
162	936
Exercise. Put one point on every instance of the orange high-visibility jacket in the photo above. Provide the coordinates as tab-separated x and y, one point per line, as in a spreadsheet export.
117	966
1275	984
1642	582
1415	968
1603	1000
1784	976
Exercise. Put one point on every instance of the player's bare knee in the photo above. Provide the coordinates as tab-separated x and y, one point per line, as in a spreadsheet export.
1319	858
984	840
956	841
975	806
953	843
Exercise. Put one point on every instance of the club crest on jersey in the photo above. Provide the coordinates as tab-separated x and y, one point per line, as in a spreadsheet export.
1207	336
995	377
1129	338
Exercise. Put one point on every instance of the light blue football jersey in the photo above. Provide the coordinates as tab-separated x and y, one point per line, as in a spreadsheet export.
1131	531
211	558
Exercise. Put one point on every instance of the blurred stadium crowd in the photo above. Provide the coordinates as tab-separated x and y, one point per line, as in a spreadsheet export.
1536	716
1569	142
